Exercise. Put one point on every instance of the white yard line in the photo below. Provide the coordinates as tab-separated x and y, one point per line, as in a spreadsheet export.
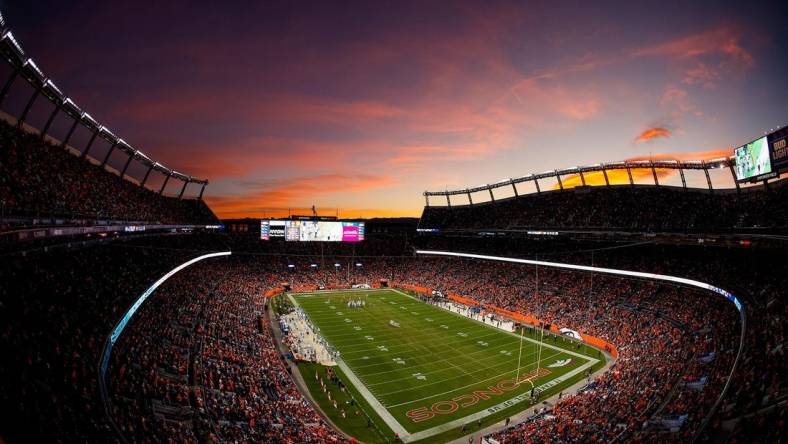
452	390
436	371
544	344
386	332
409	343
493	409
405	436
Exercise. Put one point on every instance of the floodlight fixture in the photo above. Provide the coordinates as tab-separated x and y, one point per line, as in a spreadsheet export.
10	36
52	86
30	63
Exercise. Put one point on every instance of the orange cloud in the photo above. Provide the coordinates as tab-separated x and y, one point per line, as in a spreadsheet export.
345	213
652	133
721	41
573	103
277	196
703	75
621	177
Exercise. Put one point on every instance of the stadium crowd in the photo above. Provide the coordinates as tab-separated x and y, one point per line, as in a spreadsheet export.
672	363
750	273
38	179
199	364
56	309
621	207
198	361
650	325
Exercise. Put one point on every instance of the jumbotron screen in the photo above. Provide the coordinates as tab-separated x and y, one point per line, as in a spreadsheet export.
753	160
312	231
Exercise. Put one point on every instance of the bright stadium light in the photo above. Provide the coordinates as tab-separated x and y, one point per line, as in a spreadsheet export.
52	86
121	325
290	266
10	36
313	265
32	64
636	274
125	319
358	264
86	116
337	265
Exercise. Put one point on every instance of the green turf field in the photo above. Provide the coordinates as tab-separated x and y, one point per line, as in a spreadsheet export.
438	370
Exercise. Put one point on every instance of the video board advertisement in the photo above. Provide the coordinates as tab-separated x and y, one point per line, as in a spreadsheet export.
779	153
753	160
312	231
272	228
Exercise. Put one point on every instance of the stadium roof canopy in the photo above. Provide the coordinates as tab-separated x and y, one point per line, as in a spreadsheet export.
23	66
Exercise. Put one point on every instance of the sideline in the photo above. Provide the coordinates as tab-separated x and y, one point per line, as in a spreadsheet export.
398	428
295	372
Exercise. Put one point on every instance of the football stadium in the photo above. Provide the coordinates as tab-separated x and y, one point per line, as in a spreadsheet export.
270	230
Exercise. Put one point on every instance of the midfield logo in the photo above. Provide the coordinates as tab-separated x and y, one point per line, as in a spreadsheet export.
448	407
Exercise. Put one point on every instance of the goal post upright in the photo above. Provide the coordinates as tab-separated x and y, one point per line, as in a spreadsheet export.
541	323
519	354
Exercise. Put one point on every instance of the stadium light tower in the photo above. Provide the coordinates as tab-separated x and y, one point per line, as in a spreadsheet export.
147	173
70	131
183	188
58	104
25	67
109	152
35	75
706	172
8	84
131	154
654	172
92	139
164	185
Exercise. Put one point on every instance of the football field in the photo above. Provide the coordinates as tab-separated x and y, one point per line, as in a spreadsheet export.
426	370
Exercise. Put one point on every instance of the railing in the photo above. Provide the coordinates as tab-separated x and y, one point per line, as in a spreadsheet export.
581	172
23	66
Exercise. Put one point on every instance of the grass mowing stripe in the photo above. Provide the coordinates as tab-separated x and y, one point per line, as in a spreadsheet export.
434	355
393	380
456	389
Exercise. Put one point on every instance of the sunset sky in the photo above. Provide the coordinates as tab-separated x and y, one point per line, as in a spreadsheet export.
362	106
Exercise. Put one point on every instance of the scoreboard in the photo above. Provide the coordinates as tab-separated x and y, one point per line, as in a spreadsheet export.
312	230
763	158
753	160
